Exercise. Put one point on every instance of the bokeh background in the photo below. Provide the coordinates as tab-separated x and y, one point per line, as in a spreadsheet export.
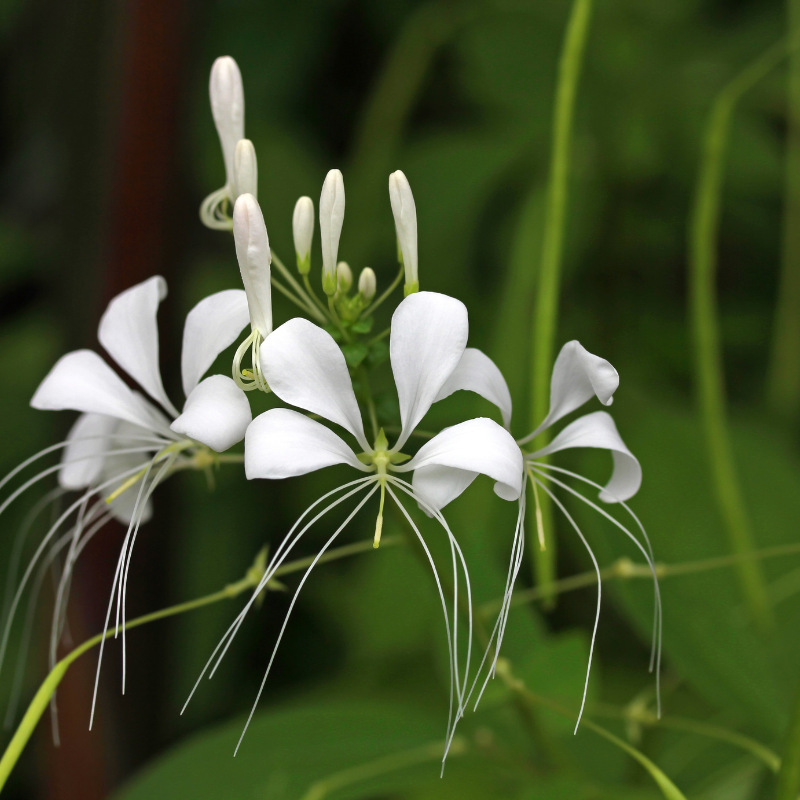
107	147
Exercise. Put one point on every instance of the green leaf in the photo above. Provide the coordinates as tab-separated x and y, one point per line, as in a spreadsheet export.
378	353
363	325
354	353
286	752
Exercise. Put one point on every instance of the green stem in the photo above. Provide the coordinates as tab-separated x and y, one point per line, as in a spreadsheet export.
546	311
313	295
783	376
703	233
373	417
394	284
337	322
625	569
382	335
789	776
286	293
289	278
382	766
668	788
50	684
647	718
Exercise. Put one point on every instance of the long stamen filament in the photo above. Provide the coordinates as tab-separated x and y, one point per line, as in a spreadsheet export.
379	522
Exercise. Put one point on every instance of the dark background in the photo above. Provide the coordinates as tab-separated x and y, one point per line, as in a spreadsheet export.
107	147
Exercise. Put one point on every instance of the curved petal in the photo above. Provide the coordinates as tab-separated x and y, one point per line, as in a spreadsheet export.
439	485
577	377
129	333
211	326
306	368
227	106
216	414
82	381
282	443
598	430
429	335
83	457
476	372
476	446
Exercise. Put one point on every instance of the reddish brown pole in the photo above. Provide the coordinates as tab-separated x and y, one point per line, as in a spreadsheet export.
134	230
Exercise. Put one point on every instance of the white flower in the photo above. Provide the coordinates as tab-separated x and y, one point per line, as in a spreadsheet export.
254	257
405	223
305	368
122	438
331	218
227	106
577	377
303	231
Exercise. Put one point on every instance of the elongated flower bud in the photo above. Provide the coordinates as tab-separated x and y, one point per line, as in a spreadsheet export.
245	169
227	106
405	223
253	254
331	217
344	276
367	283
303	230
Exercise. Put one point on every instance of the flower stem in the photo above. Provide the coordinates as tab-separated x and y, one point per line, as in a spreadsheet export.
703	230
298	289
47	689
783	376
546	312
313	295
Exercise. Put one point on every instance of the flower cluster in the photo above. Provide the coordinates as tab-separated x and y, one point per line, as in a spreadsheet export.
126	442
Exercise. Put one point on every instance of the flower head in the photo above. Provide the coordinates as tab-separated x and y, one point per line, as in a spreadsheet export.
303	231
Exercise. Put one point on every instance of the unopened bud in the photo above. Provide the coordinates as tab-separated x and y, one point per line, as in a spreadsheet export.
245	169
405	223
303	230
331	217
367	283
227	106
344	276
253	254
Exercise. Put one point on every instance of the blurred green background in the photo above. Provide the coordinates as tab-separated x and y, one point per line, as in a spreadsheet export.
107	147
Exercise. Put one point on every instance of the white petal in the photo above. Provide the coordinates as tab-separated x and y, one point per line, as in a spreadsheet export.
598	430
429	334
216	413
245	169
440	485
306	368
477	373
577	377
211	326
83	457
282	443
82	381
227	106
254	256
476	446
129	332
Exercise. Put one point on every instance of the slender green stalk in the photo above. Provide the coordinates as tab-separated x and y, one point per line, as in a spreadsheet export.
668	788
703	231
783	376
47	689
545	317
625	569
788	786
373	417
313	295
306	301
648	718
382	766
